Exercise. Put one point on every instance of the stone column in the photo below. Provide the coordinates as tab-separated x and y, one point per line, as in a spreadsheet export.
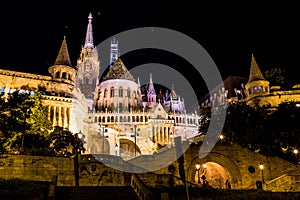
49	112
54	116
65	118
59	116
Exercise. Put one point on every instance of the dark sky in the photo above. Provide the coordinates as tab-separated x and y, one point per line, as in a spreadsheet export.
32	31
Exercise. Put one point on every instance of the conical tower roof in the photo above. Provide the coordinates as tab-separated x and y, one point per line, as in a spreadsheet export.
118	71
255	73
63	57
89	33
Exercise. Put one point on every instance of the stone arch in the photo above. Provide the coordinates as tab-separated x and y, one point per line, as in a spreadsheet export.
222	160
57	74
128	148
64	75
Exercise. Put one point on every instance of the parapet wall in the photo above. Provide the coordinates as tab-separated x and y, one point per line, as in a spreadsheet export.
38	168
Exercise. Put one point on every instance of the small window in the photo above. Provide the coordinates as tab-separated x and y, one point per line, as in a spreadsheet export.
94	168
121	92
112	92
251	169
57	74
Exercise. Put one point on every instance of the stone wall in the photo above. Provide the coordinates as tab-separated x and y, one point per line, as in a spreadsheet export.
38	168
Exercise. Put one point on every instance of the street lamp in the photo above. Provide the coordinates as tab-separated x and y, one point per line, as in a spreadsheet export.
135	126
103	136
221	137
198	170
116	149
295	151
261	166
171	137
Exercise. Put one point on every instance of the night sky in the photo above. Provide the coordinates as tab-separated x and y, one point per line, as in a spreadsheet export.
32	32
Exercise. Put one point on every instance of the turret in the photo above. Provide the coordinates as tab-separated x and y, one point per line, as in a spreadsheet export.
62	69
151	94
256	84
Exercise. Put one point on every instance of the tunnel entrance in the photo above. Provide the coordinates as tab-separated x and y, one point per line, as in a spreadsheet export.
213	174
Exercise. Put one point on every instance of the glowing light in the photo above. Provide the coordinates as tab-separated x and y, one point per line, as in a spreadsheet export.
204	166
298	105
261	166
295	151
197	166
221	137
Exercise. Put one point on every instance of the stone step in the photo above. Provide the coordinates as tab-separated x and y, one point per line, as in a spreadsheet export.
103	193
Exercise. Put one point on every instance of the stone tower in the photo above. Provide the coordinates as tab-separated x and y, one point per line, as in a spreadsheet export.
114	51
151	94
257	84
62	70
88	65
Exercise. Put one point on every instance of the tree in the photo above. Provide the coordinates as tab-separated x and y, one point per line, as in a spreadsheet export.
24	117
276	76
65	143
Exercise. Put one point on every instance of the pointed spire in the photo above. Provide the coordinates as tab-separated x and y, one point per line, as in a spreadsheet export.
89	33
151	89
255	73
138	81
63	57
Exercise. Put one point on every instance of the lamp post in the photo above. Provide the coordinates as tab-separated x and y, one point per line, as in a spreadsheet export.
134	140
261	166
103	137
116	149
198	170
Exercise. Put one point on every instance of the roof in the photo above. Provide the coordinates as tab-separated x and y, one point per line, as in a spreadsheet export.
118	71
255	73
63	57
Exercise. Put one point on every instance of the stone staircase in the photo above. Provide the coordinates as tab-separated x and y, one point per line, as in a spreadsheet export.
289	182
103	193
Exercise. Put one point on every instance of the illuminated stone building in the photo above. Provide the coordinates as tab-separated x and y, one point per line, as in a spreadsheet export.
77	100
135	126
67	106
255	91
88	65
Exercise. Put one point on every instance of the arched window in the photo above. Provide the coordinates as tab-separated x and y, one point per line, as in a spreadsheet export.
108	119
255	89
112	92
99	119
105	93
137	119
86	80
120	107
120	92
57	74
64	75
133	119
141	119
260	88
112	119
128	92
